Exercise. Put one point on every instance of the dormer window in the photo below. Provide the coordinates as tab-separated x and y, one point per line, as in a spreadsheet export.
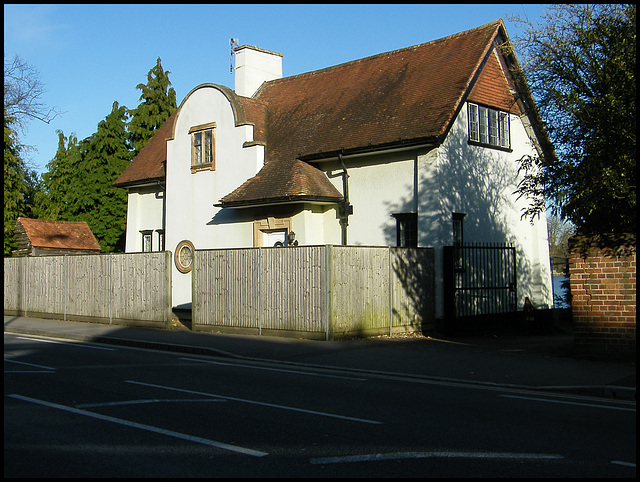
488	127
203	147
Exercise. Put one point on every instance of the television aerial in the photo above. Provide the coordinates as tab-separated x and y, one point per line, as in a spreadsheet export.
233	42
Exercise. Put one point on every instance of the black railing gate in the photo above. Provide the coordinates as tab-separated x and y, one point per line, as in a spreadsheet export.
479	282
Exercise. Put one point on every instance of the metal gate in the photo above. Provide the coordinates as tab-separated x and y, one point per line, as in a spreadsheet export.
479	280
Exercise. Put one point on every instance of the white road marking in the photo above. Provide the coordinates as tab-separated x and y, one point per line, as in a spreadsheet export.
138	402
254	402
28	364
28	371
436	454
70	343
626	464
170	433
298	372
609	407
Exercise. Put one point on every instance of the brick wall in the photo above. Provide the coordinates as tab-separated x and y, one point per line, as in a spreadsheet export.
603	290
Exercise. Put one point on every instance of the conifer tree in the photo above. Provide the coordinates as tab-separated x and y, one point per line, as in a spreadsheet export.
20	184
79	183
105	156
14	179
60	182
158	102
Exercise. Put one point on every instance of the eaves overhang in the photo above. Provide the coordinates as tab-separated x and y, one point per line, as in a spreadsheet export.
253	203
141	183
399	145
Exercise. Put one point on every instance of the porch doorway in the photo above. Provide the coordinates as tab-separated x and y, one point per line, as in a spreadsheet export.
274	238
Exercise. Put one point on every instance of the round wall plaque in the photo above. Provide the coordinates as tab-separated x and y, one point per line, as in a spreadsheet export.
183	256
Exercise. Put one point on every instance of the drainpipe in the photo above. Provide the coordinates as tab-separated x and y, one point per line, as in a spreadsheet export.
164	206
344	208
164	216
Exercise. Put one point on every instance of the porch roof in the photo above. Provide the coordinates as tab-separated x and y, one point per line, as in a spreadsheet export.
281	182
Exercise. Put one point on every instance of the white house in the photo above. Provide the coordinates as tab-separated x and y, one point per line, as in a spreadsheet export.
414	147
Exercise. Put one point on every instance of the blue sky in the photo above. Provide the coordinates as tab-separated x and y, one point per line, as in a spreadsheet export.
89	56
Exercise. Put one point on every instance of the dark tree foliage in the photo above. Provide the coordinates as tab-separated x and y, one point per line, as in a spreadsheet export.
20	185
23	92
60	182
79	183
580	67
158	101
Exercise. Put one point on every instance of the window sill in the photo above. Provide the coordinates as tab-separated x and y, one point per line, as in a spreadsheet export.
203	167
490	146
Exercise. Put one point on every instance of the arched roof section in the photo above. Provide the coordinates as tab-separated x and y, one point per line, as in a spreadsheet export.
239	114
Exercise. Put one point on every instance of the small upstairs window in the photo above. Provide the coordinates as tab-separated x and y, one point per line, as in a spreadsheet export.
488	127
203	147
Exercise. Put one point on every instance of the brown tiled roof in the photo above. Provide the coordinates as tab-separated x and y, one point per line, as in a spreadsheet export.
406	95
149	164
256	113
283	181
59	234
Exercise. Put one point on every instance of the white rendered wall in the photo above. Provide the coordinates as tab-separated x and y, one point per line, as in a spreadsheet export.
144	212
190	213
379	186
316	225
480	182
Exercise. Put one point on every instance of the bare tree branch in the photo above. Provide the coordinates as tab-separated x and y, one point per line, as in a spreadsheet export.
23	93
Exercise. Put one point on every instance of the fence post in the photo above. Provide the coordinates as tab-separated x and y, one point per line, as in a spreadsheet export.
110	288
327	291
260	291
24	285
390	295
65	274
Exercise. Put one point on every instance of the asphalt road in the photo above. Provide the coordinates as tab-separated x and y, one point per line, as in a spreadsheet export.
89	410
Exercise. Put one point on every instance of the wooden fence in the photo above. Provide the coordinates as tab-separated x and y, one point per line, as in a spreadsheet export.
322	292
132	289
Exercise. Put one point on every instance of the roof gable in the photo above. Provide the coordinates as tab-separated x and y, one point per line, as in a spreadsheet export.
494	87
59	234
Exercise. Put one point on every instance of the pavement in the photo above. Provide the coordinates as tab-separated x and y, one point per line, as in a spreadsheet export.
538	362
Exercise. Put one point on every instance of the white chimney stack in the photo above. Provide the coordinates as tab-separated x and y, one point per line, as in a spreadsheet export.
253	67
